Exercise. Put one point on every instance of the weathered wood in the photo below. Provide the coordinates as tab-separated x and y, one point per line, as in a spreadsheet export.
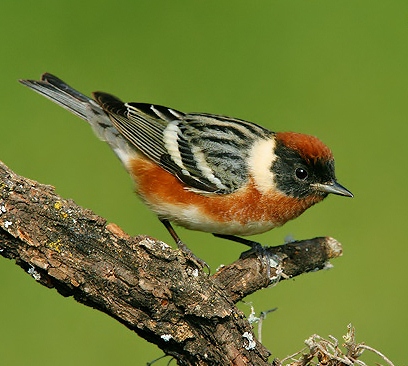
140	281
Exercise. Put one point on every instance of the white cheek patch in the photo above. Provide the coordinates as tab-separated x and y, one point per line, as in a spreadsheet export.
260	162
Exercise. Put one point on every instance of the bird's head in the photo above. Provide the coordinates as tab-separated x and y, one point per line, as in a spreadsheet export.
304	167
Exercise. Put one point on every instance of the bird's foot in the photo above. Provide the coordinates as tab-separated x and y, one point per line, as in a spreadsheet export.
265	257
191	257
268	259
183	247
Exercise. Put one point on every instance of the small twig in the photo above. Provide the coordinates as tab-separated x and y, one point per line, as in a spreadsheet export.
262	317
378	353
328	352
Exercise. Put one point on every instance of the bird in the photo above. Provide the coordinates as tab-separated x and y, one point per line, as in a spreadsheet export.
202	171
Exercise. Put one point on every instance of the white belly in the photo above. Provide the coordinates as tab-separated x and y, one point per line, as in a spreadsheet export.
192	218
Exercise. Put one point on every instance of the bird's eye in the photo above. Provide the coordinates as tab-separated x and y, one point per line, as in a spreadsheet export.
301	173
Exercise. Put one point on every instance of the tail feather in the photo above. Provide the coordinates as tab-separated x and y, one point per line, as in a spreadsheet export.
61	93
86	108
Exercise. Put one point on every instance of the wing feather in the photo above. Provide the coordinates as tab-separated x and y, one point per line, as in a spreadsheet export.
206	152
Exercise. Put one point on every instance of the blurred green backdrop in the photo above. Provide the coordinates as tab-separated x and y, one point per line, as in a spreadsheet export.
335	69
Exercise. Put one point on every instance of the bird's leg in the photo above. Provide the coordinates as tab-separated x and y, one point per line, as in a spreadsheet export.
256	248
182	246
253	244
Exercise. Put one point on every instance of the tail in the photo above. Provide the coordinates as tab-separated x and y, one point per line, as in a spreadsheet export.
84	107
56	90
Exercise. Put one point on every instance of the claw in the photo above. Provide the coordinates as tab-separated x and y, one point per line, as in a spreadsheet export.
183	247
265	257
191	256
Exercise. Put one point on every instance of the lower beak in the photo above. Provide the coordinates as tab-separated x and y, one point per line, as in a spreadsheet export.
333	187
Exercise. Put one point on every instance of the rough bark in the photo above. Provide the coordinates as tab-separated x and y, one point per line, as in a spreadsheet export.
142	282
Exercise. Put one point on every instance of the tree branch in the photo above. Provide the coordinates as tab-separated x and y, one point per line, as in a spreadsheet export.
140	281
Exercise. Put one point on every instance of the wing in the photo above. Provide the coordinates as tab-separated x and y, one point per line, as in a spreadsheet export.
206	152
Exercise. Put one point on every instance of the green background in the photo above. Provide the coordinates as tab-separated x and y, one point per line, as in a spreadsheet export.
335	69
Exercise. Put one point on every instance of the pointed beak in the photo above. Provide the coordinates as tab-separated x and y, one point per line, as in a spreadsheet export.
333	187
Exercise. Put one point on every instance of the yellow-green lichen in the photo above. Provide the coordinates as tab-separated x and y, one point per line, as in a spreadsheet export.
56	246
58	206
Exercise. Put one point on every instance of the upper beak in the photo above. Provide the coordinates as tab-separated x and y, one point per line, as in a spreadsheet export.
333	187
